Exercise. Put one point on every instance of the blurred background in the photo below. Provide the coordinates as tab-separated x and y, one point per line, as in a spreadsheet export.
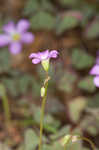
72	28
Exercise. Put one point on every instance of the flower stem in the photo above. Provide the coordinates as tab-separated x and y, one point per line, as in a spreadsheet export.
89	141
6	109
42	111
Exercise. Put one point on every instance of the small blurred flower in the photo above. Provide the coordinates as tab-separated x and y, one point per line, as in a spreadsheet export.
40	56
15	35
95	71
43	57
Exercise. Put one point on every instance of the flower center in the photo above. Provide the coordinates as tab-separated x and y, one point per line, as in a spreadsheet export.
16	37
44	57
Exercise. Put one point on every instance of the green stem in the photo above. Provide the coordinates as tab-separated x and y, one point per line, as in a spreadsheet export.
42	112
6	109
89	141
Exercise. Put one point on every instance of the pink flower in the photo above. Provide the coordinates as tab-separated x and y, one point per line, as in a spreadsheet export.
15	35
41	56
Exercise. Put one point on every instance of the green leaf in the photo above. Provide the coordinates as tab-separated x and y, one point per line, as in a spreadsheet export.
57	146
34	6
81	59
68	2
94	102
42	21
24	82
92	30
66	23
11	86
65	130
20	84
50	120
90	123
67	81
88	11
87	84
92	130
76	106
47	5
31	6
50	123
31	140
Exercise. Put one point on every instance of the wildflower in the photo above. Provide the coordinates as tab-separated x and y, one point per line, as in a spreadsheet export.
15	35
43	57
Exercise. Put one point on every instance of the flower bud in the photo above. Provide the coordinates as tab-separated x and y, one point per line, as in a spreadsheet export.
42	91
65	139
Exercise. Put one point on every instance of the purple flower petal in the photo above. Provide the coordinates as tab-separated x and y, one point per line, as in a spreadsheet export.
96	81
36	61
4	40
33	55
95	70
15	48
53	54
43	55
9	28
23	25
27	37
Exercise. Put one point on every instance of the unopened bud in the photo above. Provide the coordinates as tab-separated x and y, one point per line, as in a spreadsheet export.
42	91
65	139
